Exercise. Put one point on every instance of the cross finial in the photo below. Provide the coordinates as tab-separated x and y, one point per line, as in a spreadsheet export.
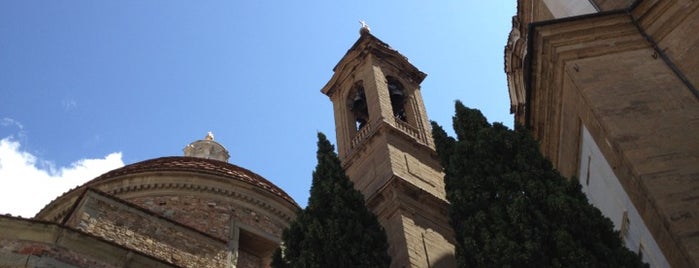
365	27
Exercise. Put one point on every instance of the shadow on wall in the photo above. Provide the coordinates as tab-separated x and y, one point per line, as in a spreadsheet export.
446	261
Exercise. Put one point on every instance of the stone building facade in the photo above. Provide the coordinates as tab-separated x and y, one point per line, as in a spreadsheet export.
609	90
191	211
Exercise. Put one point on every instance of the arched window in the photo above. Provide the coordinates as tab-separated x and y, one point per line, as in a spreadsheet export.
395	90
358	106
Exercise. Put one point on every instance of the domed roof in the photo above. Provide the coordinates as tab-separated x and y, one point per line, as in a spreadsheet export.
204	167
198	165
204	203
176	164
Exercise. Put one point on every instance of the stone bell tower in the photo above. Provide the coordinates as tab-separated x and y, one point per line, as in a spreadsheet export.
384	141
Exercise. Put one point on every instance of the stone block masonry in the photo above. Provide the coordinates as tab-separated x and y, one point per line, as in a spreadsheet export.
129	226
31	243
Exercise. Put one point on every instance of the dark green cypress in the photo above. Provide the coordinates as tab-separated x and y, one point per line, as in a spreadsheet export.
511	208
336	229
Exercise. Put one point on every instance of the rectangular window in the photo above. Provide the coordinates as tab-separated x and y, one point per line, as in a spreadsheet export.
587	176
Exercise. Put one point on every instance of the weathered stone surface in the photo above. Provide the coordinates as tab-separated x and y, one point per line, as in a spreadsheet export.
23	242
628	77
131	227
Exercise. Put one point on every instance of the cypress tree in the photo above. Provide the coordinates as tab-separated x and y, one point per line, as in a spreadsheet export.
511	208
336	229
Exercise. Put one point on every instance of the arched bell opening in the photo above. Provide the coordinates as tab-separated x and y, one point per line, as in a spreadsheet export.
398	99
358	105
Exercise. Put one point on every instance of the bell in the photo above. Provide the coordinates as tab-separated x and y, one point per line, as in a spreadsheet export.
359	102
395	91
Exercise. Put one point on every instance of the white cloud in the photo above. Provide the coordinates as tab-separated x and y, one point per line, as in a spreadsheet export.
27	183
6	121
9	123
69	104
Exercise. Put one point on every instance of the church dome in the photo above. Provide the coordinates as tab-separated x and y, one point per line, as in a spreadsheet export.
203	196
119	181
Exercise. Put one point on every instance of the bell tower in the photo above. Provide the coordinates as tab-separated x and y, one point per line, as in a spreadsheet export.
385	144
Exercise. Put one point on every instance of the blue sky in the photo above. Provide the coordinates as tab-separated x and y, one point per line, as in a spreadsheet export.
87	86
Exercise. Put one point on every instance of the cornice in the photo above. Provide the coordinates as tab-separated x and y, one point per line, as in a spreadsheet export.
573	38
366	45
115	187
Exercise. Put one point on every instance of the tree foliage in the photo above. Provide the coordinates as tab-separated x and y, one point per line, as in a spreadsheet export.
336	229
511	208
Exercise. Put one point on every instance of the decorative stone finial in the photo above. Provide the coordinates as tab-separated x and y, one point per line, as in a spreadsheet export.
209	136
365	27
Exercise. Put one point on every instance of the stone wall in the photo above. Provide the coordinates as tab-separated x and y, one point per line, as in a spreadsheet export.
247	260
132	227
30	243
209	214
34	254
186	230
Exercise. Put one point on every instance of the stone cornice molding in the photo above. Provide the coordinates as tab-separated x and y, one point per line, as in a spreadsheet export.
366	45
116	186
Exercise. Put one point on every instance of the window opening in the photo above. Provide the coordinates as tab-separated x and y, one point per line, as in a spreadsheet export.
359	107
395	90
587	176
